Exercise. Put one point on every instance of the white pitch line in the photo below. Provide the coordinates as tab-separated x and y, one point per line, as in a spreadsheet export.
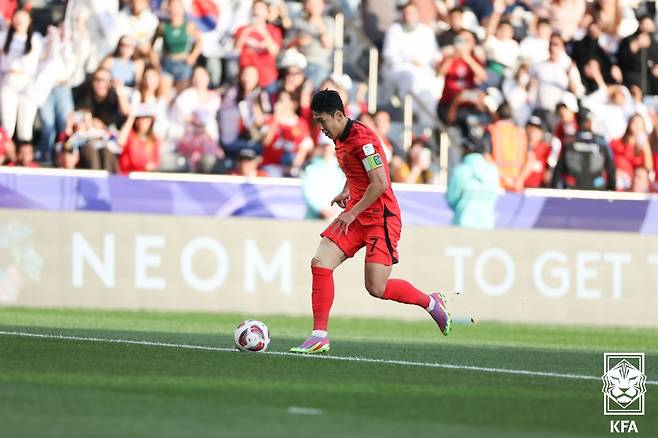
319	357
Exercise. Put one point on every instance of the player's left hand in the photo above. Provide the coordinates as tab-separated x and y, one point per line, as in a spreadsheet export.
344	220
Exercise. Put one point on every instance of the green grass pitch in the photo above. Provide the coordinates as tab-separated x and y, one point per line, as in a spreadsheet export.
59	387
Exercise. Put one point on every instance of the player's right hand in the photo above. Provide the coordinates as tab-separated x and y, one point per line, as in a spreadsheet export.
341	200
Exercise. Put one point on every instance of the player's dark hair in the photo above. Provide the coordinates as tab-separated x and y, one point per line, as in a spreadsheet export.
327	101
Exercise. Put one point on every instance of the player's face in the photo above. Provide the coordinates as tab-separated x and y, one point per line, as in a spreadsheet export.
329	124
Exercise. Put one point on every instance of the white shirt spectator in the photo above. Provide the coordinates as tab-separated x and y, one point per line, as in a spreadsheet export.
611	119
188	101
141	27
534	50
505	52
553	79
411	54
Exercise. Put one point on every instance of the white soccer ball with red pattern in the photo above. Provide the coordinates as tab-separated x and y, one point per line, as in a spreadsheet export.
252	335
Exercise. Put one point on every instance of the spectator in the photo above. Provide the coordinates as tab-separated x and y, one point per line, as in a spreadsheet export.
638	57
181	45
585	162
519	92
108	107
241	116
247	164
555	76
7	148
292	65
24	155
506	145
68	156
60	72
125	68
91	139
259	43
140	146
536	172
416	168
321	179
313	35
501	50
461	71
446	38
566	127
95	34
197	146
382	121
534	47
566	16
587	52
287	140
198	97
612	107
19	59
631	151
137	21
473	187
155	94
411	57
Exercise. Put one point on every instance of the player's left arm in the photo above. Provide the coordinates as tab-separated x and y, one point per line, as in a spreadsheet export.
378	183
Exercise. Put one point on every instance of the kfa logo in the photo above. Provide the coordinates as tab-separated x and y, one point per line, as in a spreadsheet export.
624	386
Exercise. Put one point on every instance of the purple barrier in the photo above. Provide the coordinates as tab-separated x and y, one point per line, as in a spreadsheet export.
226	196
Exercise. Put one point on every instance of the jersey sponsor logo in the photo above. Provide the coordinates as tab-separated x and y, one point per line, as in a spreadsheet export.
368	149
372	162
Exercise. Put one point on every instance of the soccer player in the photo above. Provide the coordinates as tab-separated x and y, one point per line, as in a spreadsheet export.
371	219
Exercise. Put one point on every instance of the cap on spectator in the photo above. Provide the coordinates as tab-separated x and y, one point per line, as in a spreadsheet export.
247	154
144	111
493	99
569	101
343	81
535	121
293	58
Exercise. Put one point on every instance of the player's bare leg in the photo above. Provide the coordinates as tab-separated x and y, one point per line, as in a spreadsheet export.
327	258
379	285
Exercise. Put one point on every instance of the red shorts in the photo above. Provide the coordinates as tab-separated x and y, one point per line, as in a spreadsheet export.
380	239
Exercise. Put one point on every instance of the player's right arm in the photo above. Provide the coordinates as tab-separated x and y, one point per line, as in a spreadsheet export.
342	197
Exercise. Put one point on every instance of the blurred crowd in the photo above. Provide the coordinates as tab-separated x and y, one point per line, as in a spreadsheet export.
560	93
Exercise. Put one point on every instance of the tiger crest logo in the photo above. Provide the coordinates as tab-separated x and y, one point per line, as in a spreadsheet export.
624	384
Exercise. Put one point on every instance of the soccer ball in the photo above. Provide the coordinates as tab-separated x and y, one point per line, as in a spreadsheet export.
251	335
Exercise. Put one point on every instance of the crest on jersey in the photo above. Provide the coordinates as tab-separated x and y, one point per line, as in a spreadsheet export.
368	149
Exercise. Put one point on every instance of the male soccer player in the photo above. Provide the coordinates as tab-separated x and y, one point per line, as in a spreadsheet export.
371	218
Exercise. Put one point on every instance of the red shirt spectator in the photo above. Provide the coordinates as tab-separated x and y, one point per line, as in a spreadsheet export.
259	44
141	151
24	156
288	140
461	69
631	152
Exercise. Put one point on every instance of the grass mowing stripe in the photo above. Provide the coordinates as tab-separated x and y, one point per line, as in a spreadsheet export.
325	357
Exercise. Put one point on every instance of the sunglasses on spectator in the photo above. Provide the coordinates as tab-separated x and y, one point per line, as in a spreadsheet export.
100	79
295	72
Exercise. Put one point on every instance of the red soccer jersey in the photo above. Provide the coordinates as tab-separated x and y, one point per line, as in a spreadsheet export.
358	149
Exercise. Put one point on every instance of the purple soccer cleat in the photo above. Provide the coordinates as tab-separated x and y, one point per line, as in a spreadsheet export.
440	314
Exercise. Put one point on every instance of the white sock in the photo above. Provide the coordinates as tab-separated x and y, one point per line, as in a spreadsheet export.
319	333
432	304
